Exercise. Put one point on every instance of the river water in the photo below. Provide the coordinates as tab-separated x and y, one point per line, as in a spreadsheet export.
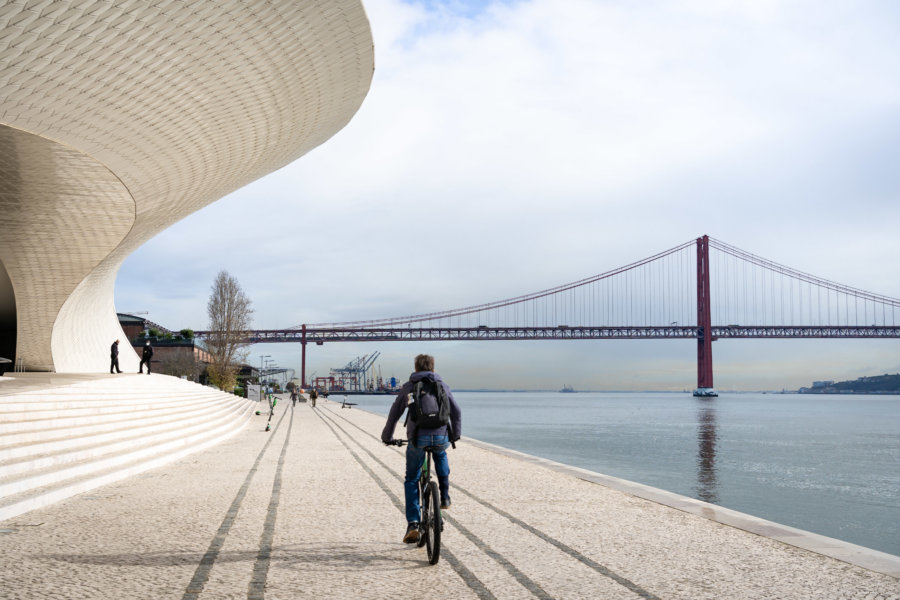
826	464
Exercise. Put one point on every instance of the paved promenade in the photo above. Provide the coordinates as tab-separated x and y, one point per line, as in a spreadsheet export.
314	509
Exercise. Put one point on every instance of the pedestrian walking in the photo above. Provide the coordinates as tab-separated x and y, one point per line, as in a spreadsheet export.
114	357
146	355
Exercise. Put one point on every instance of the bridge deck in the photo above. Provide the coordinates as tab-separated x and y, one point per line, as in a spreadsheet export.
313	509
560	332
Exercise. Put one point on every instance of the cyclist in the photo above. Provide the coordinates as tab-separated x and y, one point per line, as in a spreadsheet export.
419	439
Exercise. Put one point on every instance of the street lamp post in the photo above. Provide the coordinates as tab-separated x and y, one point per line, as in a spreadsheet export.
270	365
261	358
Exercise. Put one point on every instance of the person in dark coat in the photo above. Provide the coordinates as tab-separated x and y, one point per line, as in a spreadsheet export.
146	355
418	439
114	357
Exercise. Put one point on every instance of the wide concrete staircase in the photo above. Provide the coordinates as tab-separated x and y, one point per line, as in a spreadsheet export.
61	440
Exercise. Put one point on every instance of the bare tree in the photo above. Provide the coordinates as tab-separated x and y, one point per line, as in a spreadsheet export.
229	320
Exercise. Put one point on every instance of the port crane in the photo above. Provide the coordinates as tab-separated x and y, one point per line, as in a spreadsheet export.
354	376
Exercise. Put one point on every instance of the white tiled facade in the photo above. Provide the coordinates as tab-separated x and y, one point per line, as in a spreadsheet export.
120	117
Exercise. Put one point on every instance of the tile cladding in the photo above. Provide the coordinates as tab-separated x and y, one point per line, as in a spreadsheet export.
120	117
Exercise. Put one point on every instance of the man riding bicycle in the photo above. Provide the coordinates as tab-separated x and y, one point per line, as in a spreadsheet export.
420	438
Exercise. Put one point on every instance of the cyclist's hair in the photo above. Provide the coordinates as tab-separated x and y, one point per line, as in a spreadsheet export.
424	362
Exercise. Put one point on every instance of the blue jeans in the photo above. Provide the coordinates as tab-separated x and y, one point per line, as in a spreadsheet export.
415	456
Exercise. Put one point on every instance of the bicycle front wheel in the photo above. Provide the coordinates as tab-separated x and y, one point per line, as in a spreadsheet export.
432	522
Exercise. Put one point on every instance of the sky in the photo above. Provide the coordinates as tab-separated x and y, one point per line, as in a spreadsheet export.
511	146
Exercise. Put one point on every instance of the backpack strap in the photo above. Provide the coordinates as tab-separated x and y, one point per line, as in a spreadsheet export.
418	389
410	406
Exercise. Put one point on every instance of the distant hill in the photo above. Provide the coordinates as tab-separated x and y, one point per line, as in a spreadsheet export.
879	384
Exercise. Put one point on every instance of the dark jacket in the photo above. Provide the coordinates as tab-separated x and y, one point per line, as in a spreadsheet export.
114	350
399	407
148	352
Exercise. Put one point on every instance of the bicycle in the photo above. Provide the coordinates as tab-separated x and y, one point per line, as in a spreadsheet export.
431	524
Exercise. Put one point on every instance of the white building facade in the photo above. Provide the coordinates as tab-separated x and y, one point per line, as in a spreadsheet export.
120	117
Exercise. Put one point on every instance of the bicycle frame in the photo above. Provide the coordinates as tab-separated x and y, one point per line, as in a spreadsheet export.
431	522
425	470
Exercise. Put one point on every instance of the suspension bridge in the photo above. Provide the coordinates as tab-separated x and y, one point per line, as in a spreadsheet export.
703	289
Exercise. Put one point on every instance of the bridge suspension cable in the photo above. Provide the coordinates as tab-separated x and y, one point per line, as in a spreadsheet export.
703	289
751	290
583	298
660	290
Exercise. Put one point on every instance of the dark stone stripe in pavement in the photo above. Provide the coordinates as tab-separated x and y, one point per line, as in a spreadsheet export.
518	575
201	575
464	573
570	551
547	538
257	588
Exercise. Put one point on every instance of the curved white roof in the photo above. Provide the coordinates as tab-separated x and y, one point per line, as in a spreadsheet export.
118	118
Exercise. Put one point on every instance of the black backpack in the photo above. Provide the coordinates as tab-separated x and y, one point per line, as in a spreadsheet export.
429	408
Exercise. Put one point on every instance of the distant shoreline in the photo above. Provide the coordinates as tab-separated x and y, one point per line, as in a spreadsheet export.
804	391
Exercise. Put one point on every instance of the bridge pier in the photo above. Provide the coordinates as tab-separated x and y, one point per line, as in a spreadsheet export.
704	323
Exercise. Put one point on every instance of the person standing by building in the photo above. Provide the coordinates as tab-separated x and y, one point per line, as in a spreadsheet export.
146	355
114	357
420	438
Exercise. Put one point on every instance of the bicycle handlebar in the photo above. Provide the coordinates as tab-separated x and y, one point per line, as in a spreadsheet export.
396	442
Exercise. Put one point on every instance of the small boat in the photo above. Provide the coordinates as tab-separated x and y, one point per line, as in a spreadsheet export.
567	390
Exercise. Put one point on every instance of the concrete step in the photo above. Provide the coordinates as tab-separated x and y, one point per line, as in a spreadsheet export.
53	419
60	441
84	397
102	458
97	386
58	453
19	445
19	411
32	499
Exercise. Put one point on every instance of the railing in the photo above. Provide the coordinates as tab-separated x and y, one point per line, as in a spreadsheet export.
561	332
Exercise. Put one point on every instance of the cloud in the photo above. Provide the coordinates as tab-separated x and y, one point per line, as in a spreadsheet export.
507	147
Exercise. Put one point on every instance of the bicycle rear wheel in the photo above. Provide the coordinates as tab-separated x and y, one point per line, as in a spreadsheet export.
432	522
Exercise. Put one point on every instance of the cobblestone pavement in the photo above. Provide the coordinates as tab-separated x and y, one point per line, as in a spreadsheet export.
314	509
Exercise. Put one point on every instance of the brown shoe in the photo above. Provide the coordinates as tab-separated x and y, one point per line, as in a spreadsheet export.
412	534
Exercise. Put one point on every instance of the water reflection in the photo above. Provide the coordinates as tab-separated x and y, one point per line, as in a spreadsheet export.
707	485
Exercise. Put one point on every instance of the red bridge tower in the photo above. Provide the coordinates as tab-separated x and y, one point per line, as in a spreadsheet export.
704	323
